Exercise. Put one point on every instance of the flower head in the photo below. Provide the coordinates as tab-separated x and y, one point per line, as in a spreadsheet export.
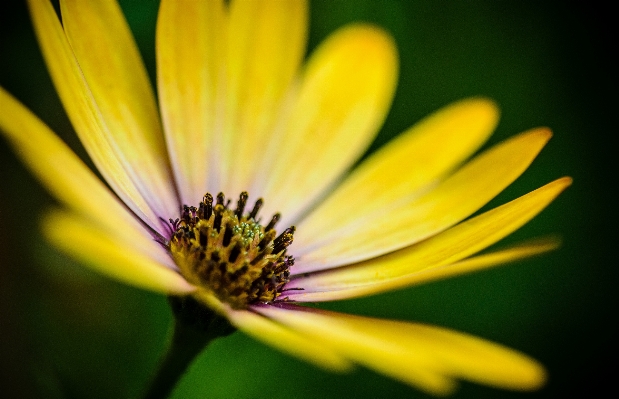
240	116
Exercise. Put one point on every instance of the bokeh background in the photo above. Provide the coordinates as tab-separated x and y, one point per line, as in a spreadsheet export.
66	332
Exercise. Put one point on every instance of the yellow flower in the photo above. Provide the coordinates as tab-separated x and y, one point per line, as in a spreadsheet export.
238	112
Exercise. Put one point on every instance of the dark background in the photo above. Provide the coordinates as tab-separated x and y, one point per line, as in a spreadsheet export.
68	332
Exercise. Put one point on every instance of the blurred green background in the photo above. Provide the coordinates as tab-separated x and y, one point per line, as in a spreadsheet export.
66	332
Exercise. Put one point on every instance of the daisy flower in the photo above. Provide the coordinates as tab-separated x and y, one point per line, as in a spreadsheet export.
250	148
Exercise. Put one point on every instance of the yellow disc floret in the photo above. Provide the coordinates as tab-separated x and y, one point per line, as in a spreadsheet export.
230	254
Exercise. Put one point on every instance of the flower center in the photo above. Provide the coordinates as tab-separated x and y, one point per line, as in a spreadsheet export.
229	253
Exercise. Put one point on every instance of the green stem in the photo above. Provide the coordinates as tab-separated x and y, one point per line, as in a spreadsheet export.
194	328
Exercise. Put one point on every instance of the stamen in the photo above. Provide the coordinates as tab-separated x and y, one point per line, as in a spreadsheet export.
284	240
203	236
208	206
273	221
234	253
219	212
268	237
227	234
185	215
240	206
254	212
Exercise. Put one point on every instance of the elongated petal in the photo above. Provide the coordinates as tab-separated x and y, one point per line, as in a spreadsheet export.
448	247
472	358
118	82
373	351
83	110
397	348
385	230
266	44
50	159
343	99
190	59
286	340
108	255
481	262
417	158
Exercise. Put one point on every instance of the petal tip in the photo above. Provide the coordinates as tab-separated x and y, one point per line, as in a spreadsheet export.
565	181
543	132
482	105
368	32
532	378
370	40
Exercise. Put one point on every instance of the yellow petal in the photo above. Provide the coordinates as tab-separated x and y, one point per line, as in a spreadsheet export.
190	57
116	77
445	248
108	255
286	340
50	159
391	227
417	368
343	99
481	262
422	155
472	358
83	110
413	346
266	44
